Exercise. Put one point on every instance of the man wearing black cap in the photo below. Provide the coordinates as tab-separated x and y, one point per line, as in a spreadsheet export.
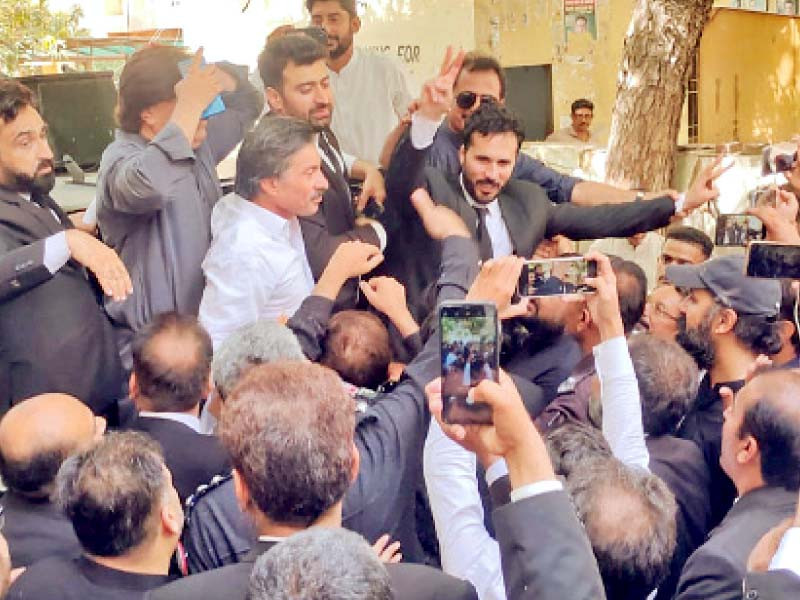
727	320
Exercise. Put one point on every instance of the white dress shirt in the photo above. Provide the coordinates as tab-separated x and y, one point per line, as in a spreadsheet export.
467	550
622	408
372	94
256	268
788	554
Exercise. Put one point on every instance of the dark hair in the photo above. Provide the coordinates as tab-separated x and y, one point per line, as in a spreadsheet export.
357	347
777	433
13	97
575	444
634	543
691	235
631	290
788	300
289	430
668	381
582	103
492	118
267	151
478	62
317	563
32	477
111	491
299	50
172	362
760	334
149	77
348	5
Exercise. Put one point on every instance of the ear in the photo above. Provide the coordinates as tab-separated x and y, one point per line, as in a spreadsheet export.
786	331
275	100
133	387
269	186
748	450
242	491
356	463
355	24
724	321
585	320
147	117
209	387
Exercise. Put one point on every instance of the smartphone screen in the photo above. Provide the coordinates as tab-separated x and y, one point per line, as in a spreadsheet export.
470	354
217	104
738	230
556	277
768	260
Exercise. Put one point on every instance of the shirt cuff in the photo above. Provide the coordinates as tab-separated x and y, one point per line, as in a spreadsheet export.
90	215
56	252
680	203
788	554
380	232
536	489
496	471
349	161
613	357
423	130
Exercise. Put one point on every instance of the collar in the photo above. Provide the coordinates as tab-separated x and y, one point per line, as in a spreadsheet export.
114	578
492	207
351	64
11	196
708	395
262	545
189	420
272	223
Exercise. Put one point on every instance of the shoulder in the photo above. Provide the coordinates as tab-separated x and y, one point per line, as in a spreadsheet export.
46	574
419	582
228	582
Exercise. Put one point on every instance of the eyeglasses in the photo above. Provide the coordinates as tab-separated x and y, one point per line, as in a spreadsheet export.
466	100
662	311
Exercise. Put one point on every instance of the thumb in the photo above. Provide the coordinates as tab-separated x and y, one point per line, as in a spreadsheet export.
368	292
197	59
726	394
422	202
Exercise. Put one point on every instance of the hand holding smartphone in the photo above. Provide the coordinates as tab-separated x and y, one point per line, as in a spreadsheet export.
470	353
217	105
738	230
556	277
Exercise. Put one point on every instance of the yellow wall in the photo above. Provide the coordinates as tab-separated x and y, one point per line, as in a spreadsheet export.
763	52
531	32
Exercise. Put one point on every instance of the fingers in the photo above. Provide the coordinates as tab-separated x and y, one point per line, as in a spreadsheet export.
448	57
368	291
197	60
433	391
726	395
423	203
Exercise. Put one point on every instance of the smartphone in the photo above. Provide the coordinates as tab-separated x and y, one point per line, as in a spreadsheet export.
772	260
470	353
217	105
556	277
763	197
738	230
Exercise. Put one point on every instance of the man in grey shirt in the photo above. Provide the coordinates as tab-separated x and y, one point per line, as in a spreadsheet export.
157	182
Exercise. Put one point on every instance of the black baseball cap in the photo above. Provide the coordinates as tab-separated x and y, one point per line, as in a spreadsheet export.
724	277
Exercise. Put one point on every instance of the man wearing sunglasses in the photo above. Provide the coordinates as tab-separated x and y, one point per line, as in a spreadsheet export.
481	79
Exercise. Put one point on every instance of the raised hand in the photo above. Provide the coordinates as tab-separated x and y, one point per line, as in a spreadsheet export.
439	221
389	297
101	260
496	283
780	220
387	553
437	94
703	189
604	303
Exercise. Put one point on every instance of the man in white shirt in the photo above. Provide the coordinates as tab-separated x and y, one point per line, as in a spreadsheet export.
257	265
372	89
643	248
579	132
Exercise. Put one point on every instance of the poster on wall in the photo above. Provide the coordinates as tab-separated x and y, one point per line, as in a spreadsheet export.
750	4
580	19
786	7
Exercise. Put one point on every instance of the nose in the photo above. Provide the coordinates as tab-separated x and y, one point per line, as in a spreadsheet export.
45	152
321	182
492	171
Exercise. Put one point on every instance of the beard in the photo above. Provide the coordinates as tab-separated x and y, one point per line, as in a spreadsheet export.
471	189
341	47
39	183
697	342
317	123
530	334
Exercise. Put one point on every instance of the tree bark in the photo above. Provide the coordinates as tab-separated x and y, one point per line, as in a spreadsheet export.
660	46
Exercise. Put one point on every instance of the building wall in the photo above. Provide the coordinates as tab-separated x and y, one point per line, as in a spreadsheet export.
749	78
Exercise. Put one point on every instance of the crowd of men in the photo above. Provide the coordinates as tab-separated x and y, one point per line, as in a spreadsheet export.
241	396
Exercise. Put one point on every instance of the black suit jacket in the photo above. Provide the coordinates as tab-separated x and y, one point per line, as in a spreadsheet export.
545	552
529	215
716	569
332	224
681	465
192	458
54	335
772	585
36	530
409	582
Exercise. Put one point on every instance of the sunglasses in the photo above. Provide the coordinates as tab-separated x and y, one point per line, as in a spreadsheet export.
466	100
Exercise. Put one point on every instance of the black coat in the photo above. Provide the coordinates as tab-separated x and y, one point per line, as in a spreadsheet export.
36	530
773	585
54	335
192	458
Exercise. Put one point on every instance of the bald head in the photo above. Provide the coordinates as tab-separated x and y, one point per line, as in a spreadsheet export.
37	435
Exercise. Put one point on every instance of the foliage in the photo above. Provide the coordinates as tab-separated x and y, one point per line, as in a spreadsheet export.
29	29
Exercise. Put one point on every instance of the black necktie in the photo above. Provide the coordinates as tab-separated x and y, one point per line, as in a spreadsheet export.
46	202
484	241
331	152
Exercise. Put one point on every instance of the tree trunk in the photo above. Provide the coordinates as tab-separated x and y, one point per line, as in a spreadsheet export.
660	45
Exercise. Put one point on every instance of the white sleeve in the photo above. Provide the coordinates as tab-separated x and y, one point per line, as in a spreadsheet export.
349	161
423	130
90	214
467	549
788	554
622	408
56	251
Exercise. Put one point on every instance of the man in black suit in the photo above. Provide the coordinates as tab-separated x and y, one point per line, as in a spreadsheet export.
127	517
761	455
54	336
36	437
297	84
289	430
668	378
171	375
505	215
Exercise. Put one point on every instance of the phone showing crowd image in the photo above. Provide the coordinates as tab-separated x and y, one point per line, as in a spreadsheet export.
470	353
556	277
771	260
763	196
738	230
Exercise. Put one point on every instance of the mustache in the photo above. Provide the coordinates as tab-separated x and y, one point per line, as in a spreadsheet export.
45	163
487	181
